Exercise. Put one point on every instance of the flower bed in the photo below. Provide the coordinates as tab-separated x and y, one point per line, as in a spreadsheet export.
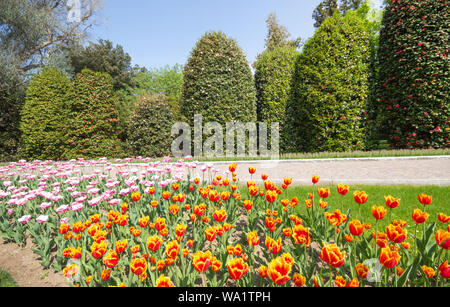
183	224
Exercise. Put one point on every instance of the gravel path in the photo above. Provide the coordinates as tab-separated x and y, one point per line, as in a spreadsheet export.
383	171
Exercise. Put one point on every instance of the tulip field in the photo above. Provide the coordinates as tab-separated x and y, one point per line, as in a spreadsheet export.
108	223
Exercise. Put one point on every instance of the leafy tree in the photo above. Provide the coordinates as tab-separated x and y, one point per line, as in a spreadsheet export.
103	57
12	97
273	79
32	32
413	83
331	86
326	9
31	29
150	126
218	82
278	35
44	115
92	130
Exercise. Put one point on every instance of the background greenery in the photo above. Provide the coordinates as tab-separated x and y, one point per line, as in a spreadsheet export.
366	80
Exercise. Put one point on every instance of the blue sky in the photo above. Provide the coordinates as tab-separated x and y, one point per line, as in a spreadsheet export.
158	33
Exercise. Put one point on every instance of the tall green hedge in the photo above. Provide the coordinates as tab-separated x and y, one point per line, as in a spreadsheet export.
273	80
92	129
150	126
331	87
414	81
44	115
218	82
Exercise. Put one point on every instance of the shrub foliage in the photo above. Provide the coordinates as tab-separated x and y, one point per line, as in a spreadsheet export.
44	115
150	126
218	82
413	85
92	130
273	79
331	87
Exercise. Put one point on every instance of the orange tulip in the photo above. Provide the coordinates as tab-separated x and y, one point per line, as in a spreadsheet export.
210	233
163	282
429	272
111	259
271	196
356	228
444	269
172	249
216	264
323	192
354	283
419	216
106	274
166	195
396	234
248	204
98	249
263	271
136	196
348	238
340	282
180	230
332	255
315	179
138	266
299	280
201	260
252	238
378	212
389	258
153	243
342	189
273	246
237	268
301	235
391	202
323	204
362	270
336	218
443	239
220	215
279	270
251	170
174	209
360	197
443	218
232	167
425	199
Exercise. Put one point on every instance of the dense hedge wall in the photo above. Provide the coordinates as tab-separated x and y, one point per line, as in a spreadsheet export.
331	87
218	82
92	128
150	126
274	71
44	116
414	78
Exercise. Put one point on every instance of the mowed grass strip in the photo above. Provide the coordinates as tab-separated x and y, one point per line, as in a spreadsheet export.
6	280
407	195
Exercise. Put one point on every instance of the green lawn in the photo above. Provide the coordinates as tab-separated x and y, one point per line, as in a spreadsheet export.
6	280
407	194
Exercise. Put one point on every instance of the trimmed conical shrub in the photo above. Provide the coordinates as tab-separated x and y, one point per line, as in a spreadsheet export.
150	126
273	80
218	83
44	116
331	87
93	120
414	82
